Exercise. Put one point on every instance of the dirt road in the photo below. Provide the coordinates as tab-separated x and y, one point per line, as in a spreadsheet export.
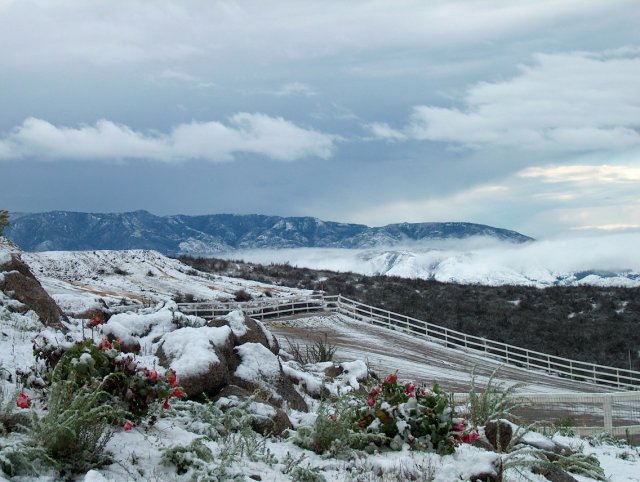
414	358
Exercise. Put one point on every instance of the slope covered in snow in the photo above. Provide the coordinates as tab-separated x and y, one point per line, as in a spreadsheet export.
140	277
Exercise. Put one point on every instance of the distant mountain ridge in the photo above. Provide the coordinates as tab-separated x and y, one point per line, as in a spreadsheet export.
215	233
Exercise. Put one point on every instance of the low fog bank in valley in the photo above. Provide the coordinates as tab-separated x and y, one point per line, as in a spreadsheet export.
600	260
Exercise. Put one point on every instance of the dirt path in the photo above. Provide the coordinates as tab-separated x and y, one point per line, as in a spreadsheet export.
413	357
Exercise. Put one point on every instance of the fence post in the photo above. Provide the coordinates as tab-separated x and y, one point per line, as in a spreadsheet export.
607	406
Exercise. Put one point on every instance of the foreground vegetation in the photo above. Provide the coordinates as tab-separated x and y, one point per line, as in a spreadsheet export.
593	324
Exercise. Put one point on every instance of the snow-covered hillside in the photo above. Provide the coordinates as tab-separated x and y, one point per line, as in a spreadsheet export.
75	278
600	261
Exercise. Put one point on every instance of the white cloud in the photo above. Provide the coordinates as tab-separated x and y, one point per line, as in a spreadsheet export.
272	137
50	32
566	102
382	130
582	173
295	88
464	205
173	76
479	260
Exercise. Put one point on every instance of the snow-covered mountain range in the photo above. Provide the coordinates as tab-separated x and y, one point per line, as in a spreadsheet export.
212	234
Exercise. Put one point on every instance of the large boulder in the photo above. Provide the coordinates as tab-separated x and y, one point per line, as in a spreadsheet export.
260	370
233	350
18	282
247	330
266	418
202	357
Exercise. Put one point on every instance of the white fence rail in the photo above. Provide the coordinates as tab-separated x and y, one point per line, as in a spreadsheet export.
509	354
584	413
512	355
264	308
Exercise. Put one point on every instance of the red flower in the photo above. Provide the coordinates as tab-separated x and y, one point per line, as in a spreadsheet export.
371	402
104	345
469	437
172	378
95	321
409	388
23	401
152	374
166	403
128	425
392	378
178	392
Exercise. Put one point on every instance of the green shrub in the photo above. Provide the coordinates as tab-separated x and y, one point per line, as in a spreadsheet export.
320	351
540	461
229	429
405	414
132	387
393	415
196	457
19	456
495	402
334	430
77	426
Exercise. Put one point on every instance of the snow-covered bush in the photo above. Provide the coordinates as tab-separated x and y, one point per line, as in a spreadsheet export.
130	386
419	417
334	430
226	433
77	425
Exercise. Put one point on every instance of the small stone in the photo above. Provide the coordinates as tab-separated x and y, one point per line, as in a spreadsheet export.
552	473
499	434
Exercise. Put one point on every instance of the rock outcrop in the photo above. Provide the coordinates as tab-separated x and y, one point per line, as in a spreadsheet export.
233	357
18	282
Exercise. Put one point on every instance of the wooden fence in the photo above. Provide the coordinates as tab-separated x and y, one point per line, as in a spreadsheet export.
509	354
264	308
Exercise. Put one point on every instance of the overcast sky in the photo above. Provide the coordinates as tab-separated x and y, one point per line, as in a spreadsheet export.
519	114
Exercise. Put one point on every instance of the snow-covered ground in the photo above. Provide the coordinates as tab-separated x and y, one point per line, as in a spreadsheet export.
80	281
414	358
